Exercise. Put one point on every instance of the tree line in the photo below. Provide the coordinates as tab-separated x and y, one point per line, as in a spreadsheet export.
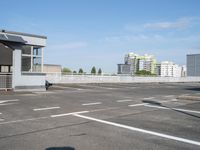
93	71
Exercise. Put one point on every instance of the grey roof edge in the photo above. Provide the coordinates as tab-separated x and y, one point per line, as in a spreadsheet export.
52	65
192	54
23	34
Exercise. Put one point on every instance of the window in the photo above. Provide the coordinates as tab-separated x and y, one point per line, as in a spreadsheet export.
37	64
31	59
37	51
5	69
26	63
26	50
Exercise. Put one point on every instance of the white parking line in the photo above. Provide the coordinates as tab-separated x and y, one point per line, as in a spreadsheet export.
7	104
39	118
67	114
88	104
169	96
124	100
141	130
17	121
5	101
109	108
46	108
0	113
184	110
173	100
148	98
142	104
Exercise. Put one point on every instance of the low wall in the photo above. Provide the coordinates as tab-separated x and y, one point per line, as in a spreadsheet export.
30	83
56	78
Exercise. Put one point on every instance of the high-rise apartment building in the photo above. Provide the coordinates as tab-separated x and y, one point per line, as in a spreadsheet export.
169	69
193	65
148	63
137	63
132	60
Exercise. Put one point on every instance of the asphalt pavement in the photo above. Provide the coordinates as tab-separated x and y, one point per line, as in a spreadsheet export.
102	117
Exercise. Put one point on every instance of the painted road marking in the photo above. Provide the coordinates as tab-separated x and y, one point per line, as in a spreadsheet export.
46	108
124	100
17	121
109	108
7	104
5	101
39	118
169	96
173	100
142	104
88	104
149	98
141	130
67	114
184	110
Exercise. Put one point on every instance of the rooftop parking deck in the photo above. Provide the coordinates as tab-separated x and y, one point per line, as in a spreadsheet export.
102	117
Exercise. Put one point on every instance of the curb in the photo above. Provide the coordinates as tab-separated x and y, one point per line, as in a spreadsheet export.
192	98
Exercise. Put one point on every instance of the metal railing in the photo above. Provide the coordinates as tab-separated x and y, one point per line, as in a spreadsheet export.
5	81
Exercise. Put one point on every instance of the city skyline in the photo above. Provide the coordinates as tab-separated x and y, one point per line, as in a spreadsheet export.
82	34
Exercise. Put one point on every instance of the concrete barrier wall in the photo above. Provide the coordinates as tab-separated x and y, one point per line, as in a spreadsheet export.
57	78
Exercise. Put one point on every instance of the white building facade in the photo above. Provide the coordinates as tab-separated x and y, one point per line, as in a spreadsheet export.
169	69
23	56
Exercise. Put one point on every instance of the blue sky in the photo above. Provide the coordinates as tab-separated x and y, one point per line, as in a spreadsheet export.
86	33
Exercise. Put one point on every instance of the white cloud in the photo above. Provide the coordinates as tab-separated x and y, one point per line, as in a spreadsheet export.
178	24
66	46
134	38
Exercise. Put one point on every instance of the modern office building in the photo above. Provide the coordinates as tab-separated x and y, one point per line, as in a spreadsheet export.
124	69
193	65
134	62
21	61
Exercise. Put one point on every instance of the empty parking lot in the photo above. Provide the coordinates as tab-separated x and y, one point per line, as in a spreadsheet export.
101	117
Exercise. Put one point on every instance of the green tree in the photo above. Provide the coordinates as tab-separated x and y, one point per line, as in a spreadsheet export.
80	71
74	72
143	73
66	70
99	71
93	71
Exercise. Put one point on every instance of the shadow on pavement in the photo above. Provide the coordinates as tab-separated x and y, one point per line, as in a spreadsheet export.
160	104
60	148
194	89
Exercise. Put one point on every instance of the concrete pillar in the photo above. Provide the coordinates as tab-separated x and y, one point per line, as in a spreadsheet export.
42	63
31	58
17	58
